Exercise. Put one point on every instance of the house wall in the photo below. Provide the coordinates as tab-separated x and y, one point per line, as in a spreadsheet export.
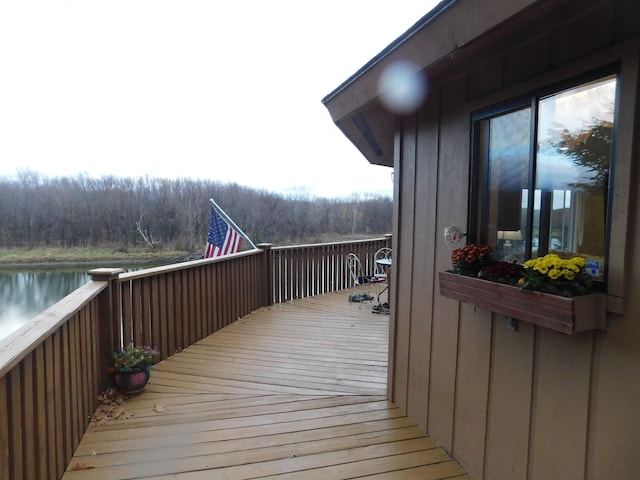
531	403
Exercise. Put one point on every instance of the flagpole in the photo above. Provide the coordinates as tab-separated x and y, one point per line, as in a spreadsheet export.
233	224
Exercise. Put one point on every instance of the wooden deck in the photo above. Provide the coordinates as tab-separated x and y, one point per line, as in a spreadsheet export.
296	390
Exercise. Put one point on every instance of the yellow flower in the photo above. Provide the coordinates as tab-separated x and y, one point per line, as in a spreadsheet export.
579	262
542	268
554	273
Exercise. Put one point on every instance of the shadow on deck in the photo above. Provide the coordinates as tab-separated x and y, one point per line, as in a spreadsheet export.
296	390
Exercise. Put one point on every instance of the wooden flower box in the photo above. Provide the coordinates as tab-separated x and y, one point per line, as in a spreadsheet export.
567	315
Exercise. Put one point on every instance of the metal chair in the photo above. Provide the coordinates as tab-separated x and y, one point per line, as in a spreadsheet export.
382	264
358	278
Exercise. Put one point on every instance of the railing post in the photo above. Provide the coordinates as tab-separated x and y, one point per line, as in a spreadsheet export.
108	321
388	237
267	272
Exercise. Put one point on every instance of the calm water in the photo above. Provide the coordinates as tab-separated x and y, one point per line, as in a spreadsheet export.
23	295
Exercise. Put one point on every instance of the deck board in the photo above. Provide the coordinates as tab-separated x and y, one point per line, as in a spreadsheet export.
293	391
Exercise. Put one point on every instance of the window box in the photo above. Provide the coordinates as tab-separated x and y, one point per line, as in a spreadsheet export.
566	315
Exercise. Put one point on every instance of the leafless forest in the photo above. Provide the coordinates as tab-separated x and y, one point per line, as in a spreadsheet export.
79	211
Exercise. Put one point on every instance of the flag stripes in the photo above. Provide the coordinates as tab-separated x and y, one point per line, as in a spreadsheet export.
222	239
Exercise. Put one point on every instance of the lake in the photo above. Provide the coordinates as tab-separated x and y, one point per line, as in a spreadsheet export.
25	294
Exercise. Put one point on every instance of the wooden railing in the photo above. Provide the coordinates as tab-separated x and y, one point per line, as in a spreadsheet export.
53	369
308	270
49	381
173	307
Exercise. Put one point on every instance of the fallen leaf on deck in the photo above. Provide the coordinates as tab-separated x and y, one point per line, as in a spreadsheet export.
158	408
81	466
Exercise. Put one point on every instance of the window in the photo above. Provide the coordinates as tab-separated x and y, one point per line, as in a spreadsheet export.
541	170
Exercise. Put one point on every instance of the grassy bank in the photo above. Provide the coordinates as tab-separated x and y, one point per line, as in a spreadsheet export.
41	255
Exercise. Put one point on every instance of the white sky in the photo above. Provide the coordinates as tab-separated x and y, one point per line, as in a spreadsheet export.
228	91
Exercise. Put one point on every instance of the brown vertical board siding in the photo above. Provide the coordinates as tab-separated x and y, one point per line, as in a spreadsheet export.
402	309
206	298
181	278
509	412
83	370
245	285
5	457
405	256
239	289
200	307
197	304
163	318
614	433
127	313
205	319
472	387
171	317
16	422
194	309
453	179
403	260
41	398
28	417
422	283
138	311
76	379
50	405
224	293
560	405
67	387
156	318
235	286
58	400
216	296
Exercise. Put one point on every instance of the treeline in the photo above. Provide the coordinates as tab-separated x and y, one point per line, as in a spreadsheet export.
170	213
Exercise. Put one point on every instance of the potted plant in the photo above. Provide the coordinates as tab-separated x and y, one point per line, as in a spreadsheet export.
132	366
549	291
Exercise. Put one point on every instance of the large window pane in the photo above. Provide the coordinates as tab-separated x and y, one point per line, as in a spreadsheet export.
509	152
575	131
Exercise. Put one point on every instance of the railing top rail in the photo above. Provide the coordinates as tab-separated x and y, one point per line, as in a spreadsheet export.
343	242
174	267
17	345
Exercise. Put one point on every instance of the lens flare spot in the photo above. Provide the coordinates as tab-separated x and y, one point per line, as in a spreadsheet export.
402	87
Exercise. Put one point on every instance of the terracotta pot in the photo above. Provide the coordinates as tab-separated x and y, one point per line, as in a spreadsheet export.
567	315
132	382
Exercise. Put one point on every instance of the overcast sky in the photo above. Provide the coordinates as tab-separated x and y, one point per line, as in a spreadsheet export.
228	91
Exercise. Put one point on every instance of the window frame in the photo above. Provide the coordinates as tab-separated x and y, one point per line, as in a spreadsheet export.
479	204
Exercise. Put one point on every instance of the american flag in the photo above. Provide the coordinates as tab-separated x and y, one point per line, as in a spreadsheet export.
222	239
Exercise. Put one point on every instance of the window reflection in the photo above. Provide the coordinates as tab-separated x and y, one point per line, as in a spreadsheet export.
575	132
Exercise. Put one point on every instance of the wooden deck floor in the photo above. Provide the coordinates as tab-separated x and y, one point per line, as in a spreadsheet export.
296	390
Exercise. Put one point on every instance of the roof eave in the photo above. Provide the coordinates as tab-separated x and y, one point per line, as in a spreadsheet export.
355	105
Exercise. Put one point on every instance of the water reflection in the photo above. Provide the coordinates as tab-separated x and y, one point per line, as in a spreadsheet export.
23	295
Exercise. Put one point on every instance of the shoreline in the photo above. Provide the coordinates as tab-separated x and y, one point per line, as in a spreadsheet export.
90	264
62	258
